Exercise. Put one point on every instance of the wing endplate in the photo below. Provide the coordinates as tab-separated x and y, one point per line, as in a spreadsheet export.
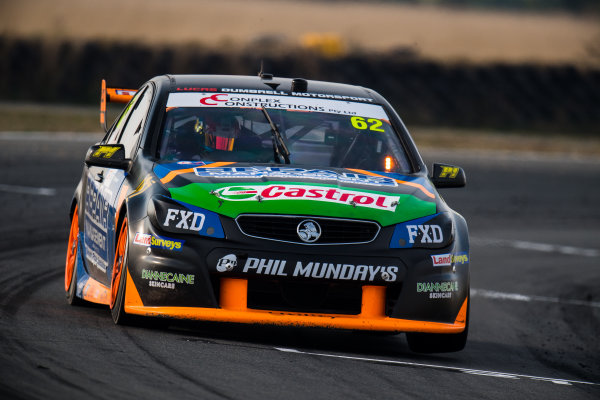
113	95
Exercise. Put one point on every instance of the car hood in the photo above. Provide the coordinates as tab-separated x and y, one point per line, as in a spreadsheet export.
231	189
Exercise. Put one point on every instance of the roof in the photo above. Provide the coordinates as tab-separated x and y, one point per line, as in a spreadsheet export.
199	83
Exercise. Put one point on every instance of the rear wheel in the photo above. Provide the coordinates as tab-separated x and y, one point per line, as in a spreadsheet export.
119	278
439	342
71	262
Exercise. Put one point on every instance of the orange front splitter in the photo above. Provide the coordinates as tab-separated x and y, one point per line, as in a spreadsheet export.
233	301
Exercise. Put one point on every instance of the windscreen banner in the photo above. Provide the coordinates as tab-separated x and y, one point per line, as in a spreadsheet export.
225	100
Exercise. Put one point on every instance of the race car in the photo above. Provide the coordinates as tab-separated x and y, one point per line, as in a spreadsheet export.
267	200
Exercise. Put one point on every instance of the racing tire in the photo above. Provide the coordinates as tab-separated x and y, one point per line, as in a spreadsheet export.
71	262
119	278
438	342
72	298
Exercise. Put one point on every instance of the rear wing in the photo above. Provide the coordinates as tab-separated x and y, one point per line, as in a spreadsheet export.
115	96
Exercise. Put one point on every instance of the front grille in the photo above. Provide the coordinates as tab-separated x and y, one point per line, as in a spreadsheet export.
284	228
327	298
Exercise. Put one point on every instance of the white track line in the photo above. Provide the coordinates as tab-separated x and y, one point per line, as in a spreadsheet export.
534	246
491	294
493	374
38	191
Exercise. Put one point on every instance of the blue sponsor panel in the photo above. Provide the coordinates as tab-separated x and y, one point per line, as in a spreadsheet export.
212	224
98	227
258	172
161	170
82	275
180	217
412	233
95	226
406	178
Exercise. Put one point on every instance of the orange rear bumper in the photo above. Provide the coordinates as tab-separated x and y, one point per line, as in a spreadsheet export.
233	300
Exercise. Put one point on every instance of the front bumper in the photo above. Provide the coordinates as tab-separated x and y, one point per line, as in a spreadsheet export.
421	297
233	308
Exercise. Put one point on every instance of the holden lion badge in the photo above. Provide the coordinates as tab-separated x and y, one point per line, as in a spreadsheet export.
309	231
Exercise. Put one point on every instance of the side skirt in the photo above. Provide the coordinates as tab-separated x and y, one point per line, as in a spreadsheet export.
88	288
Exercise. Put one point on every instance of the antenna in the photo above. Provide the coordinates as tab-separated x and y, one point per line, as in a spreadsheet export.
264	75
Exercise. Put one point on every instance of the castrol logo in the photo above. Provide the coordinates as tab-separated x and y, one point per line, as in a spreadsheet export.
314	193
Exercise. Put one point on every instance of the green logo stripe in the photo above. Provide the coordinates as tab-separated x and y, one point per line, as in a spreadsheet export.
233	199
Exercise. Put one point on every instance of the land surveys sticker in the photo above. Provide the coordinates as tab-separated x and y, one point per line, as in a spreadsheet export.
445	260
144	239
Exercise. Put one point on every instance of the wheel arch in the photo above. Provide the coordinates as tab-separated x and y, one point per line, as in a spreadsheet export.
74	203
461	231
119	218
75	200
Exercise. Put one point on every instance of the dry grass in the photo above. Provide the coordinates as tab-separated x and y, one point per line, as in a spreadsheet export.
52	118
572	146
434	33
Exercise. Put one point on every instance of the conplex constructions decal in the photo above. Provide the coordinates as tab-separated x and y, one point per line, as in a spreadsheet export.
297	198
237	100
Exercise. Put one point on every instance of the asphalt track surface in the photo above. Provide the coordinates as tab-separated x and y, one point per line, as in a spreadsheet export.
535	327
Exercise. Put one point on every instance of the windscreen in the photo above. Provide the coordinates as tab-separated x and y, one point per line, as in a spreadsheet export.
261	128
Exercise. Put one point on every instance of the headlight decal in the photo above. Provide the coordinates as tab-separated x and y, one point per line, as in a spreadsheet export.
432	231
178	217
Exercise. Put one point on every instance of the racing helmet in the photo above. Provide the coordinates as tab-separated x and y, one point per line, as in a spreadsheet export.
183	137
221	132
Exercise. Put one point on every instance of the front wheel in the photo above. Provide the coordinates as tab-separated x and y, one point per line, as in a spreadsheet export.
119	278
439	342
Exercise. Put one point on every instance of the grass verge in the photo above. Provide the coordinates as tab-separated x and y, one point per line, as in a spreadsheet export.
53	118
566	143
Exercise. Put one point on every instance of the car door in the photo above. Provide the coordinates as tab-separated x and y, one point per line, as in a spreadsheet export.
103	186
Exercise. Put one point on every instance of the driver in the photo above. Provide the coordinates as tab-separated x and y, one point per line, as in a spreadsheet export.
221	132
195	136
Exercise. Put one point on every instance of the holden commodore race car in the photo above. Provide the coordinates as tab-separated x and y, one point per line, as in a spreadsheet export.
266	200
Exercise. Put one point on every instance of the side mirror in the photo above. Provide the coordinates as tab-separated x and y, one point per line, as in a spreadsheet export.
448	176
108	156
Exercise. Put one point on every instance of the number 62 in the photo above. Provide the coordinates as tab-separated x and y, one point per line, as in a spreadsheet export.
371	124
